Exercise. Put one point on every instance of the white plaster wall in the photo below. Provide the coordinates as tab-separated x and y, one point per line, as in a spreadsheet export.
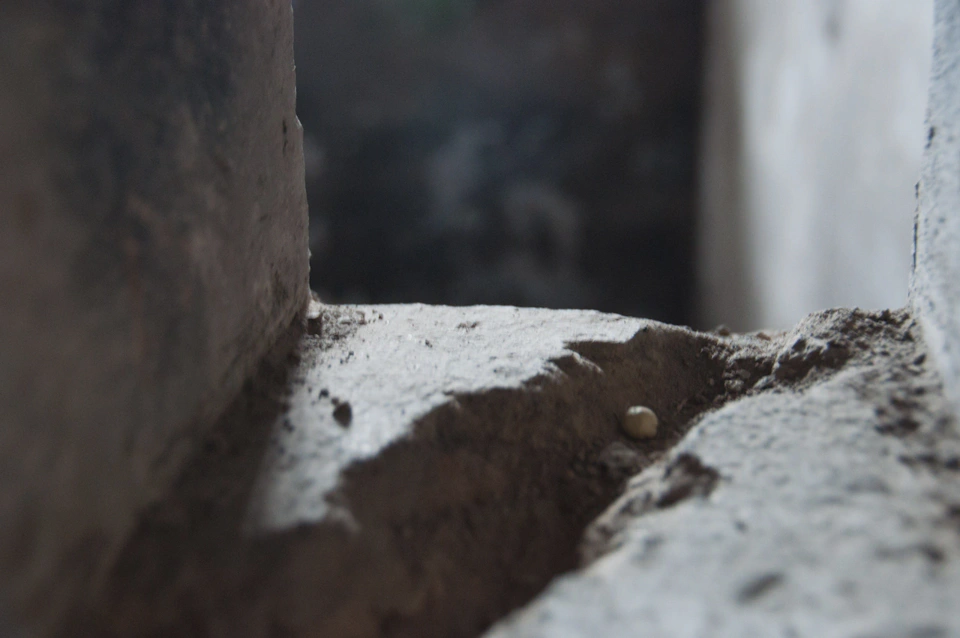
813	136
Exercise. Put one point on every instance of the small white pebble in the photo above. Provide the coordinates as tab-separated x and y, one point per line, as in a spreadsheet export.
640	422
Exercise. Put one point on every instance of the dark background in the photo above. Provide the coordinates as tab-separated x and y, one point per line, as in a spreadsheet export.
524	152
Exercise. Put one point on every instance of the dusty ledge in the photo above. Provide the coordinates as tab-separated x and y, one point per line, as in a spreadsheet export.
825	510
475	453
481	443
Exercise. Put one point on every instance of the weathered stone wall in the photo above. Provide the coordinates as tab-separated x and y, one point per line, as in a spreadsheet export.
935	285
153	244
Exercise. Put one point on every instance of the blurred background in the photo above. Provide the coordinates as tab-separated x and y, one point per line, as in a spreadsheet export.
742	162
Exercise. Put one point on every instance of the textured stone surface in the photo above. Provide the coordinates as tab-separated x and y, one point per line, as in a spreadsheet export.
816	491
827	509
478	444
935	285
399	364
153	244
423	471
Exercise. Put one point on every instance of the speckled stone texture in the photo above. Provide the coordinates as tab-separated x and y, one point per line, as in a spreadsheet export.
153	244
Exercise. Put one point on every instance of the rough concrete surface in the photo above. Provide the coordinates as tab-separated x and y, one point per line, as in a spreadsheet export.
479	444
153	244
412	470
817	490
402	362
935	284
824	510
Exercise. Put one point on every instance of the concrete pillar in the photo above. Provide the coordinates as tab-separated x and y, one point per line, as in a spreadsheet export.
812	145
153	245
935	284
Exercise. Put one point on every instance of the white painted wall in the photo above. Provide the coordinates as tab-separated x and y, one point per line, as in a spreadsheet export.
813	136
